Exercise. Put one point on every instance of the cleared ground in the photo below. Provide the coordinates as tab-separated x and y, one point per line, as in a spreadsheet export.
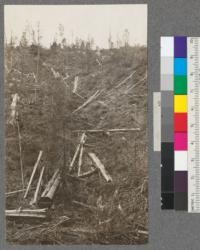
117	212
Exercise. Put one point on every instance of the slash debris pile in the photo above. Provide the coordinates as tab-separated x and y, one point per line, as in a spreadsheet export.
76	146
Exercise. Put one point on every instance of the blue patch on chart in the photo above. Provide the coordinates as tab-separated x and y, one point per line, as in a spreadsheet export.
180	66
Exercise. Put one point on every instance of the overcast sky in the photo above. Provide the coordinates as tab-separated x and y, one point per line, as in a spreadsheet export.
81	21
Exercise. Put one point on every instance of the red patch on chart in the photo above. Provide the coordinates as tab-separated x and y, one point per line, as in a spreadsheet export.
180	122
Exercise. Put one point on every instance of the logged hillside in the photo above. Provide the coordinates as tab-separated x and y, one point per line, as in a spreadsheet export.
51	87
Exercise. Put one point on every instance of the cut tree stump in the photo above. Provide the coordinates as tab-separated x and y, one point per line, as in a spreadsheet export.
100	166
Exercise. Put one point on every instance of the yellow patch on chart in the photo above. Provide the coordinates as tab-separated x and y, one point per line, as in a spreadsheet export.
180	103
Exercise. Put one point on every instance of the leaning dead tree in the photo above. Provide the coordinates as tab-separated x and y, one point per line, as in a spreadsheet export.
33	174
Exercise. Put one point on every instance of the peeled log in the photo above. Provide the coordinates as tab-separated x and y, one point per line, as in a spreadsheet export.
31	213
26	210
100	166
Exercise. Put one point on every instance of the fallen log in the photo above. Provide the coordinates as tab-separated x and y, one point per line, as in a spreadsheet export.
108	130
90	99
31	213
126	79
20	214
33	174
136	84
27	210
46	201
34	201
82	140
100	166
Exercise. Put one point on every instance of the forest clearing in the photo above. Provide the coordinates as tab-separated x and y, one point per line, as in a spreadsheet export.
76	144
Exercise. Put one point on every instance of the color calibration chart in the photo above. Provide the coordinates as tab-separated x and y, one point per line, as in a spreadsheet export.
180	123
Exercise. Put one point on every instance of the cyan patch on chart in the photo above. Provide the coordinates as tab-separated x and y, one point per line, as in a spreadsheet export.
180	66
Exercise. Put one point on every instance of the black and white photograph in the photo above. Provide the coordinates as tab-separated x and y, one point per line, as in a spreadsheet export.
76	141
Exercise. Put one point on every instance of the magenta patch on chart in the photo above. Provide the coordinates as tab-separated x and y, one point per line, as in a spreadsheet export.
180	141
